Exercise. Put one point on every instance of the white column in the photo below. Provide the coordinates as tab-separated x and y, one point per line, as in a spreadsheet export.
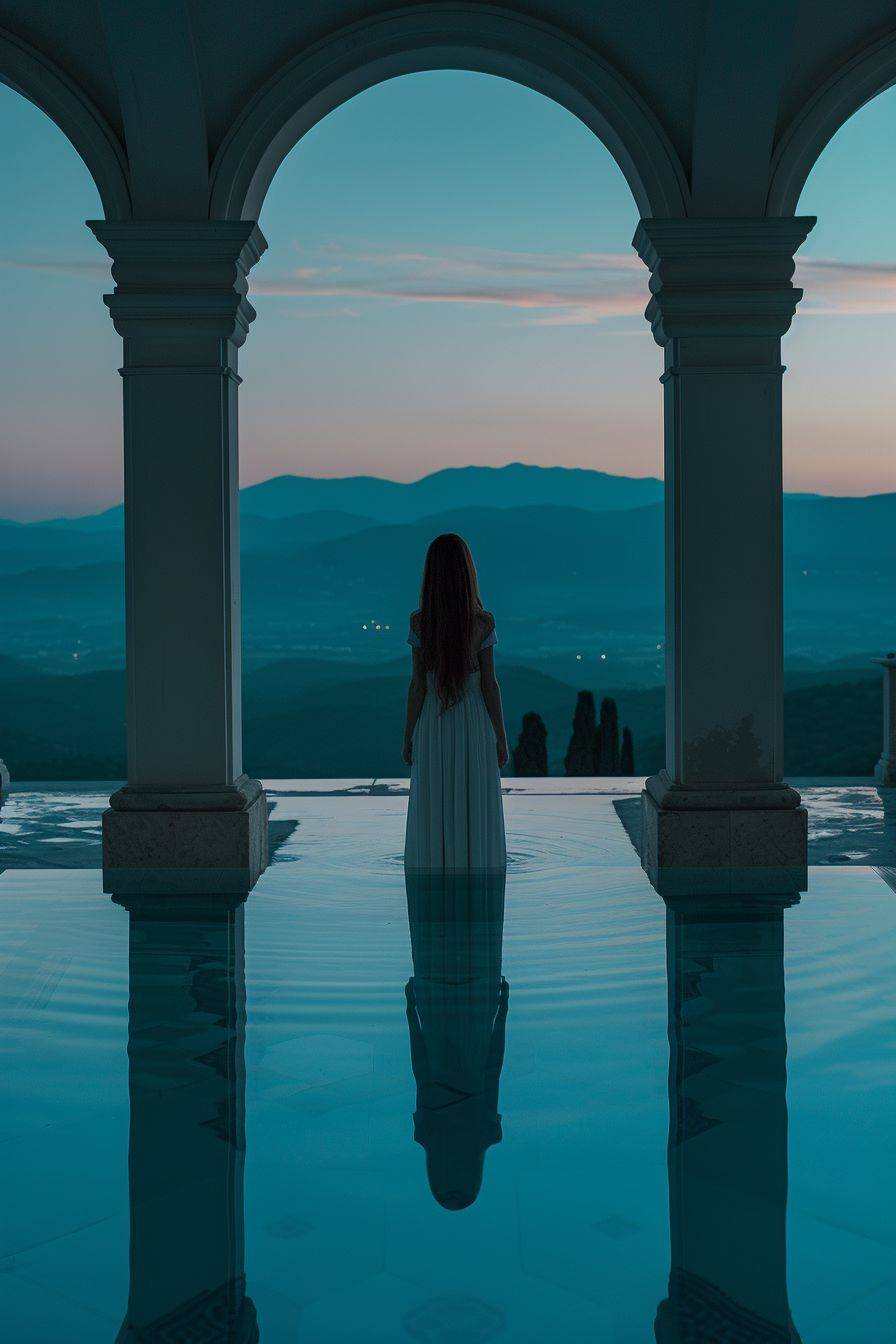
885	770
719	817
188	819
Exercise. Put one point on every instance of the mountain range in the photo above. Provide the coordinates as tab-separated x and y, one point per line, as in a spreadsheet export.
566	578
570	561
379	500
317	719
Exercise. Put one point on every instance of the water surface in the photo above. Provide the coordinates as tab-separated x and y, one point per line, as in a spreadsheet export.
352	1110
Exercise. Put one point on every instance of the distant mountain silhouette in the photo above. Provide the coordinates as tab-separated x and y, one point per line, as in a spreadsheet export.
378	500
510	487
111	519
564	580
38	545
294	532
571	559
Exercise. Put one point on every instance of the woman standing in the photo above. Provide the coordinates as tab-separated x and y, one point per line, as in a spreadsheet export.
454	739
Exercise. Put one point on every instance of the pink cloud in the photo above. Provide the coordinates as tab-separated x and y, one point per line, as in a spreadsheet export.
548	289
574	308
91	269
575	290
846	288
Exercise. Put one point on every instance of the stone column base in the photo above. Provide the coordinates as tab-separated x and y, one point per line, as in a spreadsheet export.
186	843
724	850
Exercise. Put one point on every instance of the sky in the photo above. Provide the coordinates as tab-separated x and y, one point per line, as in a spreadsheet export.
449	280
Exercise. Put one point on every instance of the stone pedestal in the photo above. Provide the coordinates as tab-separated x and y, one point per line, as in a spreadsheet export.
722	297
189	817
189	843
721	848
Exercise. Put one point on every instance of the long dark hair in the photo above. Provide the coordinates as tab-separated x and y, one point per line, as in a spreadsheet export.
449	607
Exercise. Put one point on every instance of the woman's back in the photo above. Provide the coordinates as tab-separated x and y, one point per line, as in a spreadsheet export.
482	636
454	735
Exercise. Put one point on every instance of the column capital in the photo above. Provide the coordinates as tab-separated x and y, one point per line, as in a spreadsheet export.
187	277
721	277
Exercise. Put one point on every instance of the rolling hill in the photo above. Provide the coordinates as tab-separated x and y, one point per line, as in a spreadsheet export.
563	581
571	562
317	719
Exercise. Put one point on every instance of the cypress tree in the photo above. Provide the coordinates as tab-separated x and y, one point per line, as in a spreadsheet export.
530	755
580	757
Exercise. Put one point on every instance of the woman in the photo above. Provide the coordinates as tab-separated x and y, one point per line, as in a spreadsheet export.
454	738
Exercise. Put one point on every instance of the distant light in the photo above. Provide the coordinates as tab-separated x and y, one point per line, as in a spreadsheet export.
805	571
578	657
603	657
74	655
387	627
659	646
379	627
363	627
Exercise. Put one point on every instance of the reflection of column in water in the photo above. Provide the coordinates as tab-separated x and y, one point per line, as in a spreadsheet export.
888	848
457	1006
186	1042
727	1126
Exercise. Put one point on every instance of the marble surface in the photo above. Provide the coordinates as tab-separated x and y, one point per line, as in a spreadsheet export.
59	825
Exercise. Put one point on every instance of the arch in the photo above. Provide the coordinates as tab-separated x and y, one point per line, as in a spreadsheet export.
35	77
817	122
445	36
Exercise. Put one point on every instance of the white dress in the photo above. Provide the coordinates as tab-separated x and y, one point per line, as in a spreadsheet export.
455	811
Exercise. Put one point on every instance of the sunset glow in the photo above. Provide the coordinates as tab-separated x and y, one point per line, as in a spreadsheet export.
449	280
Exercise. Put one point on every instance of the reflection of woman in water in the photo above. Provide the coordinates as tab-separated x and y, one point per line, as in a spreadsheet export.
454	738
456	1009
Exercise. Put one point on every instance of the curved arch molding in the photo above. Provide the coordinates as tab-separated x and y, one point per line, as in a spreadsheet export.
485	39
854	84
32	74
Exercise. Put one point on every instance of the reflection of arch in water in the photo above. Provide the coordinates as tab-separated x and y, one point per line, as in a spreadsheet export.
456	1008
727	1125
186	1046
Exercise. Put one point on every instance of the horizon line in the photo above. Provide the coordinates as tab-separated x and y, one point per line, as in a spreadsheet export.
441	471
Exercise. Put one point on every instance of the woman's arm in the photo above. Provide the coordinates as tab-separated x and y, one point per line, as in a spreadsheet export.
491	694
416	696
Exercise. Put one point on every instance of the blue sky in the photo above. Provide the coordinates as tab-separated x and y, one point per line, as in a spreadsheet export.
449	280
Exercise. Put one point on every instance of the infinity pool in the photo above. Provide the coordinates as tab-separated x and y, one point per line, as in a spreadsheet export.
355	1110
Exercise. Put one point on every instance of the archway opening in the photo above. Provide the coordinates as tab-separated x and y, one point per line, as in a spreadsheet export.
61	581
840	509
449	289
